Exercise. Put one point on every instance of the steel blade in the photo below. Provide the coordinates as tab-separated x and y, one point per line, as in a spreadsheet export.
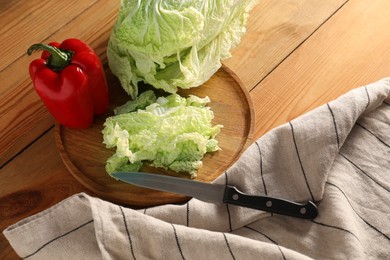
196	189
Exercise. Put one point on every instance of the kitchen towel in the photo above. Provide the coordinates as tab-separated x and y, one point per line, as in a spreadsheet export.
337	155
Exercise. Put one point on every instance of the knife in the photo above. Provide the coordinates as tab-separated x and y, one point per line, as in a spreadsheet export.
217	193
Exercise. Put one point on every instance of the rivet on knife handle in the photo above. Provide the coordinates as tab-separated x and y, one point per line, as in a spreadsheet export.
270	204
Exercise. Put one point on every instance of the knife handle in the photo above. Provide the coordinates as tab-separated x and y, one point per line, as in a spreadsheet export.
270	204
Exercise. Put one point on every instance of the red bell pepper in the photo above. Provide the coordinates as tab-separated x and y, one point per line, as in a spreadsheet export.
70	80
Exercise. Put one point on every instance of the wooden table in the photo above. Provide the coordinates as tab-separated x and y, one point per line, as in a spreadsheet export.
295	56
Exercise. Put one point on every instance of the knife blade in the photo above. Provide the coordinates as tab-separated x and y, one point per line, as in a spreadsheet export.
217	193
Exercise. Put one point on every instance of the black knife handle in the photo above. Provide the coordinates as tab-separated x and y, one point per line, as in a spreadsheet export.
270	204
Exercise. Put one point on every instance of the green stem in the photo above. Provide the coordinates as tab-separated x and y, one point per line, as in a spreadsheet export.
58	59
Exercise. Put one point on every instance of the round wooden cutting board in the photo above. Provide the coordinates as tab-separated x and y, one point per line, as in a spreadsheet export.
84	153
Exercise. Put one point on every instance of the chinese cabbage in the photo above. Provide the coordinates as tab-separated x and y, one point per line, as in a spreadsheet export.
173	133
173	44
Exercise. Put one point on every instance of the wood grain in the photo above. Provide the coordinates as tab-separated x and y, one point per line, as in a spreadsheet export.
84	153
274	30
33	182
350	50
296	56
57	14
23	116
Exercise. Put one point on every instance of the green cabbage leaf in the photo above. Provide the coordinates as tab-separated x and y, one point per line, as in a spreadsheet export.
171	132
173	44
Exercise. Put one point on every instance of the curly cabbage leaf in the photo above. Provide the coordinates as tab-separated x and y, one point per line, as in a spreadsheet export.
171	132
173	44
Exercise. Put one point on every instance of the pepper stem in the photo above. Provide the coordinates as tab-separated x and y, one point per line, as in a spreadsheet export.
58	59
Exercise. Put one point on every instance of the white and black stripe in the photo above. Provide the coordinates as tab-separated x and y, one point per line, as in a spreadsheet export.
300	161
57	238
188	214
357	214
261	170
228	246
365	173
177	242
261	167
336	227
270	239
373	134
335	125
127	232
227	205
368	97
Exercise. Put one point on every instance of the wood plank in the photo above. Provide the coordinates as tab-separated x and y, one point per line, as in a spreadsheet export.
23	116
45	181
347	51
274	30
19	125
350	50
25	22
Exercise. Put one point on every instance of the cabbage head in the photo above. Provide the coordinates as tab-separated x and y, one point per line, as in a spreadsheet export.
173	44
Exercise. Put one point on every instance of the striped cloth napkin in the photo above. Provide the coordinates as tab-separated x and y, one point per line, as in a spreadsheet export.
337	155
